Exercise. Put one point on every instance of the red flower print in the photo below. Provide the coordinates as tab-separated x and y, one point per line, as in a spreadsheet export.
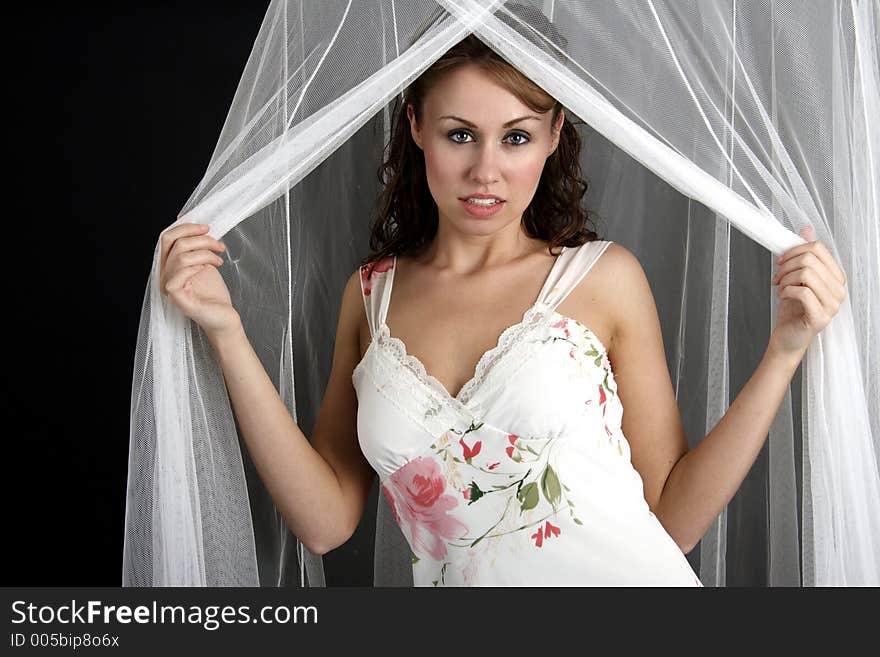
549	530
601	394
418	498
539	537
571	354
512	437
494	465
470	452
466	493
369	270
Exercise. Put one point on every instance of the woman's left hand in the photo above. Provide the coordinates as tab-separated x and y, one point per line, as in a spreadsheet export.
811	289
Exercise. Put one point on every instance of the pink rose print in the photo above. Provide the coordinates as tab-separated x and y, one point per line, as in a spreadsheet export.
370	270
420	506
563	324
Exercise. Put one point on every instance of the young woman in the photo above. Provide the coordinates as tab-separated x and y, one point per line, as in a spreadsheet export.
485	353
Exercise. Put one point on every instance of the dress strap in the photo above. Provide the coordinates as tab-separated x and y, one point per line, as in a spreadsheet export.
377	279
573	264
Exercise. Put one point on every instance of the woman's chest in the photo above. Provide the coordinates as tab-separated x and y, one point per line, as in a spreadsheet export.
551	377
450	336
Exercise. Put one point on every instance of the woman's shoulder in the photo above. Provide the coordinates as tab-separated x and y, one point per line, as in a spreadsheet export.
615	261
624	285
616	284
618	259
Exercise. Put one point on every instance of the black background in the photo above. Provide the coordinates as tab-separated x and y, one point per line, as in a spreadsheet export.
114	113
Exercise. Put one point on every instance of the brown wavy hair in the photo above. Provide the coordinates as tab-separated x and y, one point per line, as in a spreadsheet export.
407	218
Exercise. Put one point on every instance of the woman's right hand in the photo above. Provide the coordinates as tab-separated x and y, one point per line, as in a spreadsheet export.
188	276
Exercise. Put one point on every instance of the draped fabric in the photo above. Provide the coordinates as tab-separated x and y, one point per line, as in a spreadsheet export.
696	117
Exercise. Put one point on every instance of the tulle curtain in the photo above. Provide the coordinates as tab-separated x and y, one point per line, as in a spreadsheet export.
697	117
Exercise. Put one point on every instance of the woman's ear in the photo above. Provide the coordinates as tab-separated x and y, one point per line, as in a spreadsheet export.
556	131
413	125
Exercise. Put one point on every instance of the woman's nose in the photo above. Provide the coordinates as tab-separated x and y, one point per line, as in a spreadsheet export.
485	168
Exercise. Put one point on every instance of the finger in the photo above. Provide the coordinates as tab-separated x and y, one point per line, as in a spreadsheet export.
180	278
819	249
811	260
806	259
184	244
169	236
188	259
824	254
813	310
175	232
810	278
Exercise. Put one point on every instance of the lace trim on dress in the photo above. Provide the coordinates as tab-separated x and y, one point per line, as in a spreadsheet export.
531	318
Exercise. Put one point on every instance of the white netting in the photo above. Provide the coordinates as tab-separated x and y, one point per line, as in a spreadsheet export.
698	116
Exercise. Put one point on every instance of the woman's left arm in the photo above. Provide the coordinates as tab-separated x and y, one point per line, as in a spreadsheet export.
701	483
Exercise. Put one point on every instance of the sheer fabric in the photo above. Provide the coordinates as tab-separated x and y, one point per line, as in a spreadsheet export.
697	116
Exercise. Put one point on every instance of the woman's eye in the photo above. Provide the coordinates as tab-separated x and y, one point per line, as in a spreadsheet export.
519	138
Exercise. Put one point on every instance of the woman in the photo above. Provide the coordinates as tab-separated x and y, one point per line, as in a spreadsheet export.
488	390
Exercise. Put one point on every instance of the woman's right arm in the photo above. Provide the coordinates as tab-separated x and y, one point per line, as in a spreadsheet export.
320	488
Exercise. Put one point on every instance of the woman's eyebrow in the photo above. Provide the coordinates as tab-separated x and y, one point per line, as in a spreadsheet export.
474	125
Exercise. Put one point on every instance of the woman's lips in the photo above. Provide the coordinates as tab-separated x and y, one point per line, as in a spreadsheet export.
481	211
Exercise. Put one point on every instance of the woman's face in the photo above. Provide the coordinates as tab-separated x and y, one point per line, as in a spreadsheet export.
480	139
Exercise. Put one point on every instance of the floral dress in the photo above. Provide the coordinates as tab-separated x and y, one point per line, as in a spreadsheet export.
524	477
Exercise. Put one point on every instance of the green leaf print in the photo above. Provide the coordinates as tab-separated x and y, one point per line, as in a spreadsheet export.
577	521
528	496
592	352
550	486
476	493
413	557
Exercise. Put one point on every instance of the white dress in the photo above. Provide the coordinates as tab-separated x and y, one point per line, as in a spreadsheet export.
524	478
